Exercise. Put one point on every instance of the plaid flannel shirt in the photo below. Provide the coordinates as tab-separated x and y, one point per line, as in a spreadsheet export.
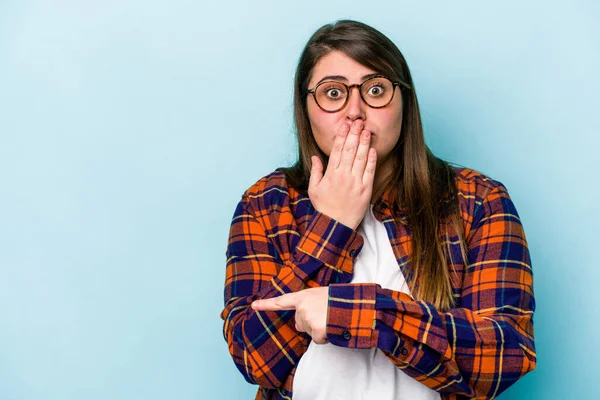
278	243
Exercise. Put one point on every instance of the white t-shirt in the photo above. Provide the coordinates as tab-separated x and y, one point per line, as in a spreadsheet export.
329	372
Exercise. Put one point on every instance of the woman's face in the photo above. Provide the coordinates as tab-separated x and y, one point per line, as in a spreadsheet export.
383	123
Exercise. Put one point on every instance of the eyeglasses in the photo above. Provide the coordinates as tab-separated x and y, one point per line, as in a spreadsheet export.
377	92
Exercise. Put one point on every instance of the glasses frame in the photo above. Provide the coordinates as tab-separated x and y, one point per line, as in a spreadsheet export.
359	86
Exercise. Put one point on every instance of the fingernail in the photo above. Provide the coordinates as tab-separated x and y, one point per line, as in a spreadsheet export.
345	127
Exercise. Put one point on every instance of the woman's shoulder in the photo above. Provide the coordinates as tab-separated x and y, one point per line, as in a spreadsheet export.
272	182
473	183
271	189
474	186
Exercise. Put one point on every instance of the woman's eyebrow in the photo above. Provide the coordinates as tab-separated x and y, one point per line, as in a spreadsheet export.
343	78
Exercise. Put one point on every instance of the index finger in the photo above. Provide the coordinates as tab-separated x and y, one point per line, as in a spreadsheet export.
283	302
338	144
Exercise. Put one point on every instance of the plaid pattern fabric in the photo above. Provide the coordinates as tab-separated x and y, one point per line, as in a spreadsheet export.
278	243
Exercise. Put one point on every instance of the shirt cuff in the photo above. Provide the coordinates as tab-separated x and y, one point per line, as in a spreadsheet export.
335	244
351	315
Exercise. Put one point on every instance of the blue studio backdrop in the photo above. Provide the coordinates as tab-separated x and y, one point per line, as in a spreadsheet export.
129	130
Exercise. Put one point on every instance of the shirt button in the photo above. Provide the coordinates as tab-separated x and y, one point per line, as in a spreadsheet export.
403	351
352	253
346	335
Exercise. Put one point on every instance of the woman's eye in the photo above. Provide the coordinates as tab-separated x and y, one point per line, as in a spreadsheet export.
376	91
334	93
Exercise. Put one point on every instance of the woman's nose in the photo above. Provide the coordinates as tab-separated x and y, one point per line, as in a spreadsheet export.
356	105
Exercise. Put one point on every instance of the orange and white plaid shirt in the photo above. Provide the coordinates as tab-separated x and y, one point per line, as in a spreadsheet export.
278	243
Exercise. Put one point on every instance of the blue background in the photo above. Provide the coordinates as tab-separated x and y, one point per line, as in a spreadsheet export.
129	130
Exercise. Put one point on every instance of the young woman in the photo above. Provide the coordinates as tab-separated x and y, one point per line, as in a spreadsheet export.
371	268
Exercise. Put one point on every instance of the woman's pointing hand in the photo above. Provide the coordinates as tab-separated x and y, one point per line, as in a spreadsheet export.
311	310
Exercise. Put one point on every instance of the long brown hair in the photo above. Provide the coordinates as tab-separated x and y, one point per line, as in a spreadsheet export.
424	184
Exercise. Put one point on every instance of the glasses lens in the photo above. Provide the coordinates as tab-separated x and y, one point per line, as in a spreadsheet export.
331	95
377	92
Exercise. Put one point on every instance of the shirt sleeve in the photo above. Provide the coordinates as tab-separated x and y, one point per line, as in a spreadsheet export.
264	344
477	349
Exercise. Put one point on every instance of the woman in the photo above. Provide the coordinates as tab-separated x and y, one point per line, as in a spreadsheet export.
371	268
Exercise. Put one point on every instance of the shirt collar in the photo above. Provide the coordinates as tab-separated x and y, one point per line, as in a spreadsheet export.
389	199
